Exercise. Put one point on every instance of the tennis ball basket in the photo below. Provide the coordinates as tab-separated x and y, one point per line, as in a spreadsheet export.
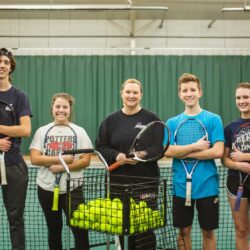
115	204
126	205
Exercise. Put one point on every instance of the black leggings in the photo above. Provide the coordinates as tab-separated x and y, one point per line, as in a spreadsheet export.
55	221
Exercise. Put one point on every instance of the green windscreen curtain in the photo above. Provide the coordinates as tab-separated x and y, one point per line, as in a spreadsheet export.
95	81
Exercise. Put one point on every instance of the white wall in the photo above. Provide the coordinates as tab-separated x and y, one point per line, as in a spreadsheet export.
74	33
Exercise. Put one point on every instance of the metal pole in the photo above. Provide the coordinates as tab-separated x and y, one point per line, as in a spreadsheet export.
68	201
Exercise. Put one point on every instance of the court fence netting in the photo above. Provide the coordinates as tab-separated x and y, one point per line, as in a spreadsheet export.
166	236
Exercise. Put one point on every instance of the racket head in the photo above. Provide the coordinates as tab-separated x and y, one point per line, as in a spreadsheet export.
59	138
7	118
242	138
189	131
151	142
7	115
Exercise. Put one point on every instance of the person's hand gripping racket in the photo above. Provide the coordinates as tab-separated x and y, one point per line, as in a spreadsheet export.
191	132
7	118
240	146
149	145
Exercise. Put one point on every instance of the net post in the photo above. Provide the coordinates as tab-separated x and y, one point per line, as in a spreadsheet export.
68	200
68	211
126	211
164	182
126	215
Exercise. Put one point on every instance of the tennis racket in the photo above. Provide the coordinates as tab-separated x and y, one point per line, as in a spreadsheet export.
7	118
189	131
149	145
241	143
57	139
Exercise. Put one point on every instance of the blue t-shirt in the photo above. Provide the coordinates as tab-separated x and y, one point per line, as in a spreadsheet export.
205	177
230	131
20	103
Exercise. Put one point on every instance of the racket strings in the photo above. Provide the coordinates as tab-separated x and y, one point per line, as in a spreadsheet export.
189	132
242	143
59	139
151	141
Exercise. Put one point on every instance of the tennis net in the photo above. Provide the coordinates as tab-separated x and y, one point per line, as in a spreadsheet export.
36	229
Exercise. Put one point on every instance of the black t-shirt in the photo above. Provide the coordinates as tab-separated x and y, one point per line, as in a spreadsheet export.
20	103
230	131
117	133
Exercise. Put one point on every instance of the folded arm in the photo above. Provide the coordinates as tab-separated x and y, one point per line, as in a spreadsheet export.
181	151
53	162
21	130
230	163
214	152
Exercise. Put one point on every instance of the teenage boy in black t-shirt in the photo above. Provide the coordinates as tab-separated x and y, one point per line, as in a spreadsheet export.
14	193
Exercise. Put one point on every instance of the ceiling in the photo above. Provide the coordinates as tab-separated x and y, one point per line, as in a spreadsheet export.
177	9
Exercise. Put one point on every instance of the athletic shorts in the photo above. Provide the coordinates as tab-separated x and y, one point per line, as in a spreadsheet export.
233	183
207	208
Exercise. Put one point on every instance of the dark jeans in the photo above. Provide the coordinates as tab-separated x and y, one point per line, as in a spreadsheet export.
54	220
14	194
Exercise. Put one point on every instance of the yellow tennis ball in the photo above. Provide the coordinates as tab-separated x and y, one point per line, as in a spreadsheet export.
82	207
86	224
147	214
107	203
98	210
96	226
136	210
103	227
131	230
76	214
116	221
142	206
91	203
132	221
81	224
132	201
98	202
81	215
116	204
74	222
119	213
116	229
92	214
104	219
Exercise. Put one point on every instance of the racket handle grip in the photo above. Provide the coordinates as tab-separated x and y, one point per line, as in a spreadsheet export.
114	166
238	199
55	199
78	151
188	201
3	171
